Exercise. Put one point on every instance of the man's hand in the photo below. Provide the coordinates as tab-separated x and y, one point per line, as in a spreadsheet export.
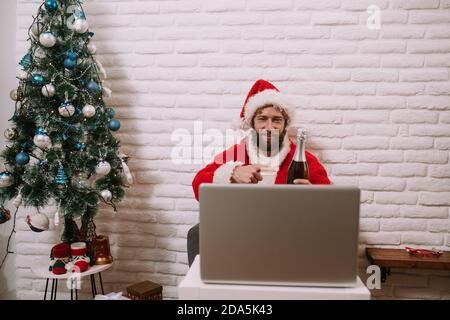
301	181
246	174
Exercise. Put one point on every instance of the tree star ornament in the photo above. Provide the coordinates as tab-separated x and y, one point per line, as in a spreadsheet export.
103	168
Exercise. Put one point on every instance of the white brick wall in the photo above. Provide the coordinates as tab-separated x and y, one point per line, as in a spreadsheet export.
376	103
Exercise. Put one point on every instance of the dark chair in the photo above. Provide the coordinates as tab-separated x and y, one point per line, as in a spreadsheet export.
193	244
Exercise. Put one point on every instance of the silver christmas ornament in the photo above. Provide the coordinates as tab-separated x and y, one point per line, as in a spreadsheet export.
66	109
88	111
103	168
13	94
39	53
47	39
48	90
6	179
22	74
80	25
106	195
92	48
42	141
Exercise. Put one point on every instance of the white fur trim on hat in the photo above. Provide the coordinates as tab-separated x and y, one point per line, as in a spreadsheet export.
266	97
223	173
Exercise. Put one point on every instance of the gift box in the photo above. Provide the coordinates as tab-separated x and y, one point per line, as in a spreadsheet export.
145	290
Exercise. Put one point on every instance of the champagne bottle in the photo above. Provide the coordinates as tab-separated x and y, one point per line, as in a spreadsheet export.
298	168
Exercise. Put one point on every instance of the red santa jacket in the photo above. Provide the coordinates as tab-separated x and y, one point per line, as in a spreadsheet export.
238	154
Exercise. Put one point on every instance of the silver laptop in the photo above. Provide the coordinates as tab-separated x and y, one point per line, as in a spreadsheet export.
279	234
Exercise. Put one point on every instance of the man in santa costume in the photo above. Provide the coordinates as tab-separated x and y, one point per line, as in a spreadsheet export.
266	117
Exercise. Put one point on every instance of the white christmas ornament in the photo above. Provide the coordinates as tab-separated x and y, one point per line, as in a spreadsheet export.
103	168
106	92
48	90
88	111
39	53
80	25
66	109
37	28
38	222
47	39
42	141
127	177
22	74
92	48
6	179
106	195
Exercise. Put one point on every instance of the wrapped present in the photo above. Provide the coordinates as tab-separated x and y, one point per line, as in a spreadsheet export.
111	296
145	290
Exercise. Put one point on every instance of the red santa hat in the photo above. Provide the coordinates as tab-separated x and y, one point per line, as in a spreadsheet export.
261	94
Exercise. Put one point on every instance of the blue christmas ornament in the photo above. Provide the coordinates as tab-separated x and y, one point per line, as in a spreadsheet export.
114	125
37	79
61	177
51	5
69	63
72	55
111	112
22	158
40	130
26	146
26	61
42	163
93	87
79	146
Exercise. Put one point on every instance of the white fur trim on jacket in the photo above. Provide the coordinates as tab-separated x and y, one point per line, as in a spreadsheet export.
256	156
266	97
223	173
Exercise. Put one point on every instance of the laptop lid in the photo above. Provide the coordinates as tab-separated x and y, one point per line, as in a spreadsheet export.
279	234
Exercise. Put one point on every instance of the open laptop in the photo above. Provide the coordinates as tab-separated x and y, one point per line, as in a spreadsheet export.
303	235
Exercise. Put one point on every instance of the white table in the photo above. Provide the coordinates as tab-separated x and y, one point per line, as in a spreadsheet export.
193	288
40	270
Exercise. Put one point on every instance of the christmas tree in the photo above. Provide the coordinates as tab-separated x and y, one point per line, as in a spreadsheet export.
61	148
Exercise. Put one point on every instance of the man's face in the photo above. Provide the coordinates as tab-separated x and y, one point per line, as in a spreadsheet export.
269	123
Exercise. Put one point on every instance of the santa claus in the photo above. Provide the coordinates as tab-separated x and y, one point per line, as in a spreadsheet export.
265	117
